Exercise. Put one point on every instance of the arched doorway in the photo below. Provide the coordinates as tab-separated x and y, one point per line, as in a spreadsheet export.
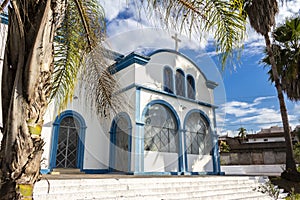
198	139
160	131
120	151
161	137
67	144
68	141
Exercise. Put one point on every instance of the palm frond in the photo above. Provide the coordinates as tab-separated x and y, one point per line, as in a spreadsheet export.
81	30
99	85
224	19
286	52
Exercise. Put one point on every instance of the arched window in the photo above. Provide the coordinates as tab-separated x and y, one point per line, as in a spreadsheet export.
67	143
197	137
180	88
121	143
160	132
168	80
190	87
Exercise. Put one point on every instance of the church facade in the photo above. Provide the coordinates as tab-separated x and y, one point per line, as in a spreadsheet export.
166	126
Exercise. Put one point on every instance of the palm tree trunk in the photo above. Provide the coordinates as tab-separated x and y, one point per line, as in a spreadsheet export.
290	161
27	69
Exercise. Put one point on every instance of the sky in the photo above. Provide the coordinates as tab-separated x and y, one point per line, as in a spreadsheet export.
245	96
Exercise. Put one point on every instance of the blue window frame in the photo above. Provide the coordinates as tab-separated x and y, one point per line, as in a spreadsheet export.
168	80
160	131
80	132
180	86
120	149
190	87
197	137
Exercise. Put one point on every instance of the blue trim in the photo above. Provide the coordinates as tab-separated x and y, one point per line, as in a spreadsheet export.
139	87
139	134
169	106
127	61
96	171
216	153
175	173
161	102
181	151
158	173
113	138
112	149
4	18
45	171
203	114
81	137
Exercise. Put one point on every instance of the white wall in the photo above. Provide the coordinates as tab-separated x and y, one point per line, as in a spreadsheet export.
200	163
160	162
270	139
154	73
96	152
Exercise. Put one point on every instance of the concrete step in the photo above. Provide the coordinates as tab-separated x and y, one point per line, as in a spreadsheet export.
58	171
208	187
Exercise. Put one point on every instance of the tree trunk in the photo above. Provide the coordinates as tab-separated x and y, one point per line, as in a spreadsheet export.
27	69
290	160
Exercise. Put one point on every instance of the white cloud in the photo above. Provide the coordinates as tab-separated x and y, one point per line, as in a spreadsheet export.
260	99
113	8
254	115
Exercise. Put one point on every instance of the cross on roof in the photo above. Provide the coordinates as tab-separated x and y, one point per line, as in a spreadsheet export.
177	40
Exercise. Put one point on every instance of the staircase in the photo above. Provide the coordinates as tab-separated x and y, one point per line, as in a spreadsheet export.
98	187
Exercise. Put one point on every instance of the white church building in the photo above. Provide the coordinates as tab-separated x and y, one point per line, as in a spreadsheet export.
168	127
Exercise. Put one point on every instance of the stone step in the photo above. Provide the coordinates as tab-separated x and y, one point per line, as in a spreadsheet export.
137	185
199	186
157	191
58	171
209	187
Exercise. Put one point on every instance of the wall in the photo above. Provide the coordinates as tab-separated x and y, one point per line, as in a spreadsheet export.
244	153
253	158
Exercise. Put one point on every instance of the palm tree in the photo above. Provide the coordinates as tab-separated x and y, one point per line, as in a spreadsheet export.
286	48
46	46
242	133
261	14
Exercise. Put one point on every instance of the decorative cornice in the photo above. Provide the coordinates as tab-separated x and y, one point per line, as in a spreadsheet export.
211	84
128	60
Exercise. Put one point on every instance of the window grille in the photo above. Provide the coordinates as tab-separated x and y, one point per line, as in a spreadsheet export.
66	156
197	137
160	130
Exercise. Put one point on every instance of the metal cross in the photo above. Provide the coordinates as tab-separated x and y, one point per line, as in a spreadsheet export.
177	40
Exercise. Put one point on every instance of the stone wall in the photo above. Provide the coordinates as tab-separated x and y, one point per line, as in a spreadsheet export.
253	158
242	153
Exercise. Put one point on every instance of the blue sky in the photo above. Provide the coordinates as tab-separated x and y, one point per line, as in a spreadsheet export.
245	96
